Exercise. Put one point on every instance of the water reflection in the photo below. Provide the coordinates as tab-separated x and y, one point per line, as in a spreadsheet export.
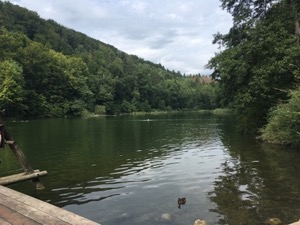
258	182
132	170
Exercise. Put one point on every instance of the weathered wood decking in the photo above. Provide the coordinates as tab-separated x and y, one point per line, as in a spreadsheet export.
20	209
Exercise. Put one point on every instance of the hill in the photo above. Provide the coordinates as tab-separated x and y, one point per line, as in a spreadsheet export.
48	70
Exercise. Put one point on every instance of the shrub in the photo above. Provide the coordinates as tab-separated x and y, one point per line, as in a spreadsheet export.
283	125
100	109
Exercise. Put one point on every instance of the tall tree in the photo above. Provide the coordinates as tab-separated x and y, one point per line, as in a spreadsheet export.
261	58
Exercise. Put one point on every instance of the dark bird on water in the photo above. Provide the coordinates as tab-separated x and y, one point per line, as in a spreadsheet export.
181	201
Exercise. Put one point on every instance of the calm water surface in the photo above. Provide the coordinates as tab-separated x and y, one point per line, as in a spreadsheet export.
132	169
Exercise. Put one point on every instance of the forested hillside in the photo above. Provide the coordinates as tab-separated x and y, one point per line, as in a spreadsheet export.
47	70
259	70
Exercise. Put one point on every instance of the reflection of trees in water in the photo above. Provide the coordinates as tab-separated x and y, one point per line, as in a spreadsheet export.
259	181
235	196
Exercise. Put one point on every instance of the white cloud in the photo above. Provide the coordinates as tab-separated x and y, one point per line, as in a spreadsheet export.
175	33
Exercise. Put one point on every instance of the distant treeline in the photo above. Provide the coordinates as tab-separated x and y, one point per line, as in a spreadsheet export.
47	70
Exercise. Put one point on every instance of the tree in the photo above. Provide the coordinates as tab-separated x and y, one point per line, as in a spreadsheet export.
11	88
260	61
102	86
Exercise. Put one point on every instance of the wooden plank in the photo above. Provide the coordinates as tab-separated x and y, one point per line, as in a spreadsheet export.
3	222
295	223
43	207
11	217
28	212
21	177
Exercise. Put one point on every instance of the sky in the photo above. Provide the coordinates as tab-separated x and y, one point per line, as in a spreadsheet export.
175	33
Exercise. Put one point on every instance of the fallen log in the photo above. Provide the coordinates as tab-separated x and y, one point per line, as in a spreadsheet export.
22	177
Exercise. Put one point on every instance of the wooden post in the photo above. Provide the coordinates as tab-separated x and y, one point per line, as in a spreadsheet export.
6	138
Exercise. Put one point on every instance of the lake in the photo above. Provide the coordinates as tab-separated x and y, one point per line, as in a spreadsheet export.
132	169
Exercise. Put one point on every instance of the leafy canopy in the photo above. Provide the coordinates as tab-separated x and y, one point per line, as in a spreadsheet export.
260	62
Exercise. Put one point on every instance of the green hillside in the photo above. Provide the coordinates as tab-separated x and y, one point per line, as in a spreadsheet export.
48	70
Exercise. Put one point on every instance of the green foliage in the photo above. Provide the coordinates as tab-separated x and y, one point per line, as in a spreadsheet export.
11	88
74	108
261	59
127	107
284	122
100	110
61	73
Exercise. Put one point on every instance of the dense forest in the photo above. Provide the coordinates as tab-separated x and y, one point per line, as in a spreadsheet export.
259	70
47	70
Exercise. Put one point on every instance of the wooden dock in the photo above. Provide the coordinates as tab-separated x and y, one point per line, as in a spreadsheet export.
20	209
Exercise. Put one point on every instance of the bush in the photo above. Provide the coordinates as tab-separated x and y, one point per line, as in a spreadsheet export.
127	107
283	125
100	109
73	109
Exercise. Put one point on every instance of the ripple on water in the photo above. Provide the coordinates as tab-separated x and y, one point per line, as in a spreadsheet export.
188	169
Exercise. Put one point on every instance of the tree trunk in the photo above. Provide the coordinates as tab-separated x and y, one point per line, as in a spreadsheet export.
297	29
294	7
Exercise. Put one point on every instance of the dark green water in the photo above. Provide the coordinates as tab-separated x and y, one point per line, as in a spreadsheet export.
131	170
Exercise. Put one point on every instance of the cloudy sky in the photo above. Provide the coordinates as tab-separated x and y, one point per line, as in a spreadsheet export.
175	33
